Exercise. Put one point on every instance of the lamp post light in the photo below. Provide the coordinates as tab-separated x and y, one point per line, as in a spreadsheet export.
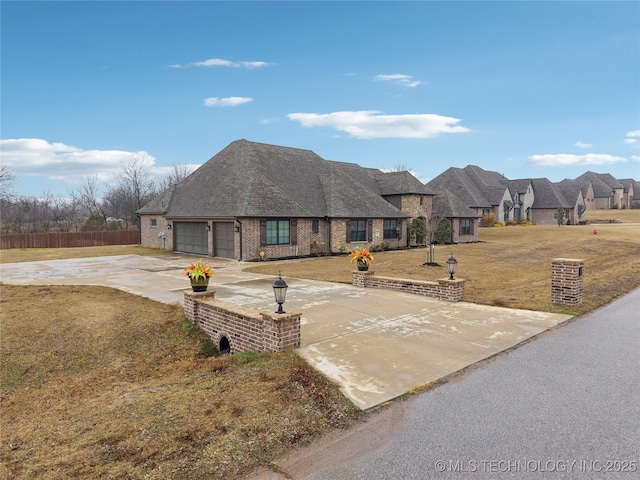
452	263
280	292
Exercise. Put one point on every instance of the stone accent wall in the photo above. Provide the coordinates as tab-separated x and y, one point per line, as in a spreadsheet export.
442	289
244	328
411	206
567	276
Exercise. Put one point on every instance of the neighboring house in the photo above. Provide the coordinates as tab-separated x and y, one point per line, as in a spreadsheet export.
572	191
253	201
630	193
465	221
549	198
607	191
511	201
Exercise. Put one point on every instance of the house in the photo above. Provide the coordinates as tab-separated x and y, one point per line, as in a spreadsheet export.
253	200
607	191
510	201
464	221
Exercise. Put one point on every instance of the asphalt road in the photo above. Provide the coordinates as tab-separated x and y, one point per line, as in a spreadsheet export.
565	405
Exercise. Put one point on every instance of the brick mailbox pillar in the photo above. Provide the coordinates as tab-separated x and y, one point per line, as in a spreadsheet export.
567	276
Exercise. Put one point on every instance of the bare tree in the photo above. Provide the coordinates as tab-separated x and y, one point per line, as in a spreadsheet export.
134	187
177	173
400	167
7	182
86	195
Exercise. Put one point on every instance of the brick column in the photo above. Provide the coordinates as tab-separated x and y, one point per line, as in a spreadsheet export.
566	281
191	303
450	290
281	331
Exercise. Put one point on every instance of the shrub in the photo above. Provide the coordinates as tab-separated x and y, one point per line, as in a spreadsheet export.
444	232
525	222
511	222
488	220
498	224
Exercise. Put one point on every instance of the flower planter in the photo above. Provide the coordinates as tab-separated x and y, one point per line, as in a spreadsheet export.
363	268
200	285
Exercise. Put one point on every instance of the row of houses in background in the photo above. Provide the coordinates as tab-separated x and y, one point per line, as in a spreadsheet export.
253	201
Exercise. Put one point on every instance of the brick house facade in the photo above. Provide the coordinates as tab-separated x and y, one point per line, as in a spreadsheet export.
253	201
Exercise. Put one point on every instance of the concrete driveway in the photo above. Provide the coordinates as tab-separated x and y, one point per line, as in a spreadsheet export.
376	344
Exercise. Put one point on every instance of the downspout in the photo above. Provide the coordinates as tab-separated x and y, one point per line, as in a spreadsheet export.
330	244
139	229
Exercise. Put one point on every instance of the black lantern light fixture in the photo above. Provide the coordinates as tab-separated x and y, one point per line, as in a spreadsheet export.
452	263
169	226
280	292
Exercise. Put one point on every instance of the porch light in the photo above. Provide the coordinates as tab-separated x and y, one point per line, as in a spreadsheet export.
452	263
280	292
169	226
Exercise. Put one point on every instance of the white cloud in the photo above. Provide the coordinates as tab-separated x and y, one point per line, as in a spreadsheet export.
581	144
566	159
398	79
372	124
226	102
632	137
35	157
635	158
219	62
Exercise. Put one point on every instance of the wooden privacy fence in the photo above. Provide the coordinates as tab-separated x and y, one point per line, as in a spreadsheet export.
70	239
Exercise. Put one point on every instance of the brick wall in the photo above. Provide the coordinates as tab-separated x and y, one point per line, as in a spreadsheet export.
567	276
442	289
244	328
339	236
308	243
149	236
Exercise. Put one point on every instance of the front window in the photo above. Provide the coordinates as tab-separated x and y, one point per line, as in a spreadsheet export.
154	222
390	228
358	230
278	232
465	226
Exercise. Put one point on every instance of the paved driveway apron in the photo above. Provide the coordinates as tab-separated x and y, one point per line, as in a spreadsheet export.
376	344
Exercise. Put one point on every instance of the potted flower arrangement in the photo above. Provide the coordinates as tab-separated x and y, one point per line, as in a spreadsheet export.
362	258
199	273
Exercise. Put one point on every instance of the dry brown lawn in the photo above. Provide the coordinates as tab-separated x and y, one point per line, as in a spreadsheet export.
39	254
98	383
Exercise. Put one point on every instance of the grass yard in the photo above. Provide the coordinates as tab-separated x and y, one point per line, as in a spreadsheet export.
98	383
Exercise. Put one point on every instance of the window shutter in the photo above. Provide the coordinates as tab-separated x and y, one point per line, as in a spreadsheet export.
348	231
369	230
263	232
294	232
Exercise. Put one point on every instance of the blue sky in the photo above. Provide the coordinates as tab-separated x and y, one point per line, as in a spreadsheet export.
528	89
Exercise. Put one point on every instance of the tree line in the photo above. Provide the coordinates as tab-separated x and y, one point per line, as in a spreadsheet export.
89	205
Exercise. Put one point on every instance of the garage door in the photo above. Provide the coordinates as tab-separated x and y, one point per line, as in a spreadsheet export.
223	240
191	237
